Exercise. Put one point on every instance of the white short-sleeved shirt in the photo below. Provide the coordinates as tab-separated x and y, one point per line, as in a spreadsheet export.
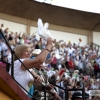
71	50
50	73
3	47
80	65
22	77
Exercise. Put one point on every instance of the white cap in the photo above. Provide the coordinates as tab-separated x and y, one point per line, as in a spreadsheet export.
36	51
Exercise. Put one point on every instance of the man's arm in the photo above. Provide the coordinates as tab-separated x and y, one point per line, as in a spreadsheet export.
40	87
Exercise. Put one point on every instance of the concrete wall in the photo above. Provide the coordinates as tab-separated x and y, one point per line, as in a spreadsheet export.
13	26
96	37
30	27
60	35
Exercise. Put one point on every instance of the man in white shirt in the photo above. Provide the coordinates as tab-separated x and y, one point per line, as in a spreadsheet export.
3	49
70	50
80	66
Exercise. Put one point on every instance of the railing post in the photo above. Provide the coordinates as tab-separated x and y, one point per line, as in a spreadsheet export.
12	73
83	92
7	66
44	92
12	64
1	55
66	94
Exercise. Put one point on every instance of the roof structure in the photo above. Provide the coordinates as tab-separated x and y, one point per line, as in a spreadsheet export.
32	10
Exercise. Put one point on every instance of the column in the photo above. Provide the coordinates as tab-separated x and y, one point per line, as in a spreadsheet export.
90	37
28	27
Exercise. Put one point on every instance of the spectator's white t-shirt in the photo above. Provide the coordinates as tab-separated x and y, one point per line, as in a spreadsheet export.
66	48
95	86
68	58
80	65
22	77
66	75
50	73
99	53
61	85
4	48
17	40
83	57
76	62
86	49
9	57
61	50
71	50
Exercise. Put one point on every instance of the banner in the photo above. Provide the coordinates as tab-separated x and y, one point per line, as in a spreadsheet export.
94	92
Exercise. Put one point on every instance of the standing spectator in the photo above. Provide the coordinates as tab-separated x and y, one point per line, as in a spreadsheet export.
70	51
80	66
54	62
67	58
96	68
76	63
40	43
71	65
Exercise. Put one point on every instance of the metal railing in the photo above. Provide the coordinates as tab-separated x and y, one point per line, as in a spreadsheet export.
33	98
67	90
12	63
95	45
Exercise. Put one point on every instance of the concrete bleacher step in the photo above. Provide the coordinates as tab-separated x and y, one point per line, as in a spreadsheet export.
9	90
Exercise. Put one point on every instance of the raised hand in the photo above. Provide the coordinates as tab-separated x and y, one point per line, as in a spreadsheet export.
37	79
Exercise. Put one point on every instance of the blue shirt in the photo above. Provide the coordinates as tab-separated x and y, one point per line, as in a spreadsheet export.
31	91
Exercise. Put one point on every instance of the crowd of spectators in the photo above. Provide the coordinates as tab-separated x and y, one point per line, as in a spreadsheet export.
67	65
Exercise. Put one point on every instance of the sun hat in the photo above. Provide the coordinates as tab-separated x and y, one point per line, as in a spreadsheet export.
36	51
76	71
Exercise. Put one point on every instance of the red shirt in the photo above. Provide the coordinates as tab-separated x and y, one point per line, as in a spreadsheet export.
71	65
96	67
54	60
61	72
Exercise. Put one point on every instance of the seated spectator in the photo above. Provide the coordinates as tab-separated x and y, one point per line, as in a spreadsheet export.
96	68
54	62
40	70
76	63
42	73
71	65
75	75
